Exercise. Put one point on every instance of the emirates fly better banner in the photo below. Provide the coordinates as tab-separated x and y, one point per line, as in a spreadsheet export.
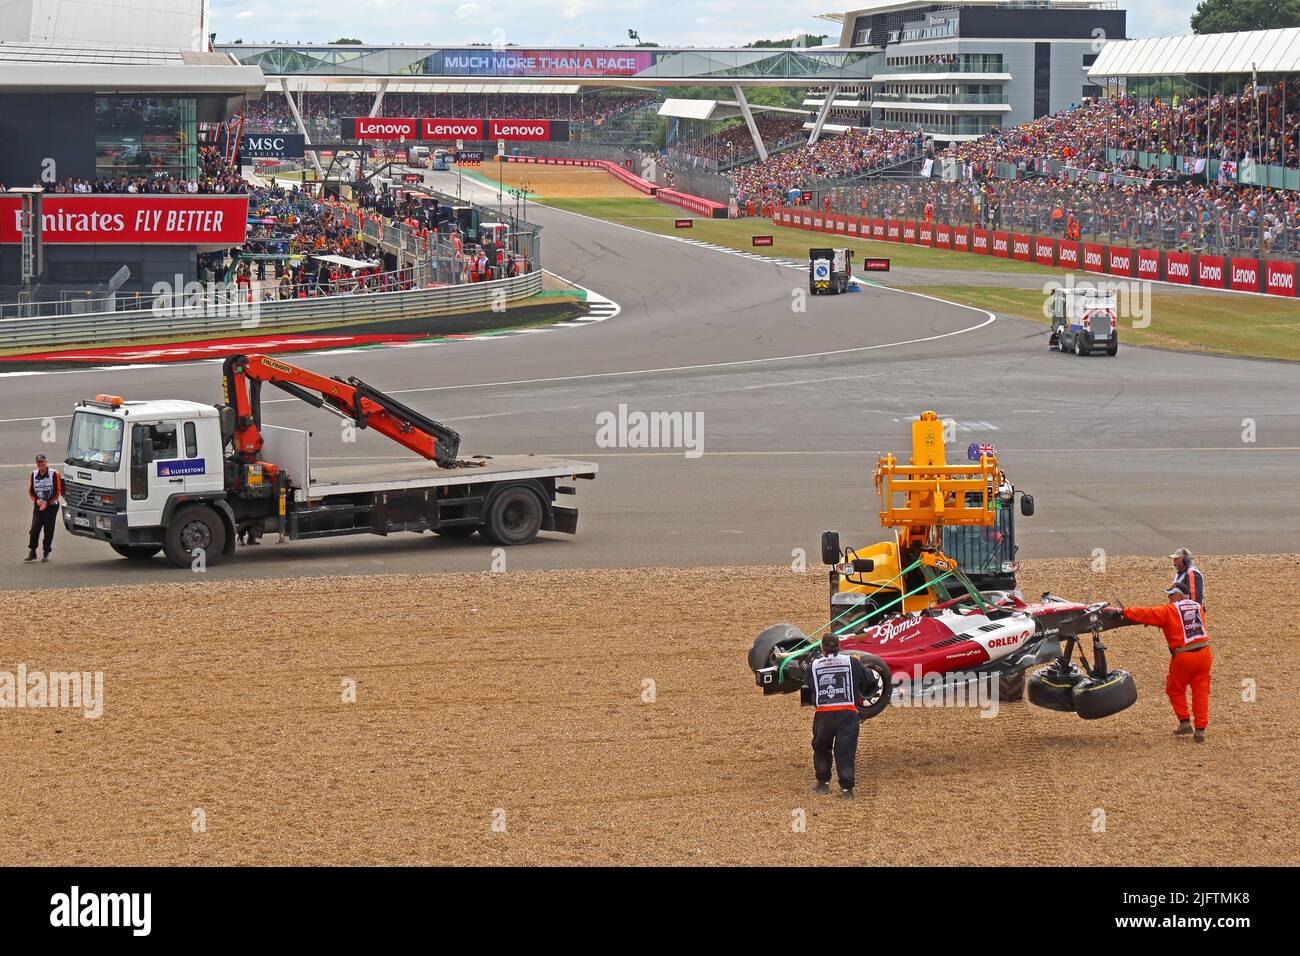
449	129
181	220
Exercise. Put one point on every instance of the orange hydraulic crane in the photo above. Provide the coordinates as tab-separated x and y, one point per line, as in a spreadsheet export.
350	398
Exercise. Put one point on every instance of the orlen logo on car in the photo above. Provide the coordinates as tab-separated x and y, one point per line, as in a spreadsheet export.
365	127
1007	641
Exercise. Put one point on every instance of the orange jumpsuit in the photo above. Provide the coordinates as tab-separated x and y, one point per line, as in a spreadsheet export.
1183	623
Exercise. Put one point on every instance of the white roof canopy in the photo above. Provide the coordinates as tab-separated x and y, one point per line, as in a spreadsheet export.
1262	51
716	109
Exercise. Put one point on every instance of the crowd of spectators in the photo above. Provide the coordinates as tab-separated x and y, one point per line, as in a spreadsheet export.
731	143
214	175
835	155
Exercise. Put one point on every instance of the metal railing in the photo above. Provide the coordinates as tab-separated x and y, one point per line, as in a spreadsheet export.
213	318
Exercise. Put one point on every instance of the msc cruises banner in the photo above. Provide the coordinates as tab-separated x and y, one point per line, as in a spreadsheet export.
540	63
178	220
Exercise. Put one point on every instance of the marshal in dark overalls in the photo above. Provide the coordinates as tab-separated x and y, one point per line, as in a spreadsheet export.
44	488
838	683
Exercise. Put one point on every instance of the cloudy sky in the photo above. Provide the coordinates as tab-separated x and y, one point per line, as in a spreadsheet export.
571	22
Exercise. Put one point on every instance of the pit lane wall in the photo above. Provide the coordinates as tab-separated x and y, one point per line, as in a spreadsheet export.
705	207
1262	276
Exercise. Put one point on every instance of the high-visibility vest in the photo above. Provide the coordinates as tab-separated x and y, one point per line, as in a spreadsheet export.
1192	619
832	680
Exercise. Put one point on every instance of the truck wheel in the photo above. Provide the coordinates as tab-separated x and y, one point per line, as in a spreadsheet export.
1060	343
1078	346
1112	348
136	552
875	701
514	517
1102	696
1052	687
1011	687
194	527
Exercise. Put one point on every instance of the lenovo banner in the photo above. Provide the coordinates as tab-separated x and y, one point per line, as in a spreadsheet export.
1148	261
980	241
1279	278
1119	261
175	220
1067	254
909	232
379	127
1044	250
1244	275
926	234
1178	267
943	236
1209	271
447	130
1094	257
961	238
1001	244
893	230
1021	248
530	130
854	222
877	229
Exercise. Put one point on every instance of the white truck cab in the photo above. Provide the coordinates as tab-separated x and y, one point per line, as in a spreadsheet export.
1083	321
130	464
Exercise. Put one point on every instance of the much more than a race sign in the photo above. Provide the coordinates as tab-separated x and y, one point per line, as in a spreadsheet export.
870	264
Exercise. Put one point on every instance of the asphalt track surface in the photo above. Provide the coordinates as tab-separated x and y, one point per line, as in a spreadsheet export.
1135	454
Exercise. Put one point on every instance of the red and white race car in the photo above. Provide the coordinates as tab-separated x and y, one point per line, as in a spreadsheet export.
977	636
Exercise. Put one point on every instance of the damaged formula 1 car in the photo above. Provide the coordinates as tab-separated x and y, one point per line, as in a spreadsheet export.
960	633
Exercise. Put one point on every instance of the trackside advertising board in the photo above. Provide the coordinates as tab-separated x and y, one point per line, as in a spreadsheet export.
272	146
177	220
449	129
1240	274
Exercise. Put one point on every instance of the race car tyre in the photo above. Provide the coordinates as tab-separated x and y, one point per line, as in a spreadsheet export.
1096	697
136	552
514	517
785	636
875	701
1011	686
194	528
1053	688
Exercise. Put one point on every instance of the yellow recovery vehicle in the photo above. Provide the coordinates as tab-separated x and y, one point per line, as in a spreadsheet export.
951	514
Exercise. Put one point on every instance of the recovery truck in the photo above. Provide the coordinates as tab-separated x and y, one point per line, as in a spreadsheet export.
1083	321
829	270
964	511
186	478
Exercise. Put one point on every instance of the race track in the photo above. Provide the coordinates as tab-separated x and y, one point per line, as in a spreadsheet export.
1135	454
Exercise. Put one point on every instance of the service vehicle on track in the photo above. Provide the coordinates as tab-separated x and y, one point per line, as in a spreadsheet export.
1083	321
829	270
927	620
186	478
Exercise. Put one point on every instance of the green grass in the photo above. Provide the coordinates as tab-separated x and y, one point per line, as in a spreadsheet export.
654	216
1258	327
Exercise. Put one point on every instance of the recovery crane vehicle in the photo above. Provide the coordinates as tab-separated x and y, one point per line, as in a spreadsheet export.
186	478
906	608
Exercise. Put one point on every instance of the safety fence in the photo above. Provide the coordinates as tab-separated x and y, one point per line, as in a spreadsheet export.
204	316
705	207
1236	273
